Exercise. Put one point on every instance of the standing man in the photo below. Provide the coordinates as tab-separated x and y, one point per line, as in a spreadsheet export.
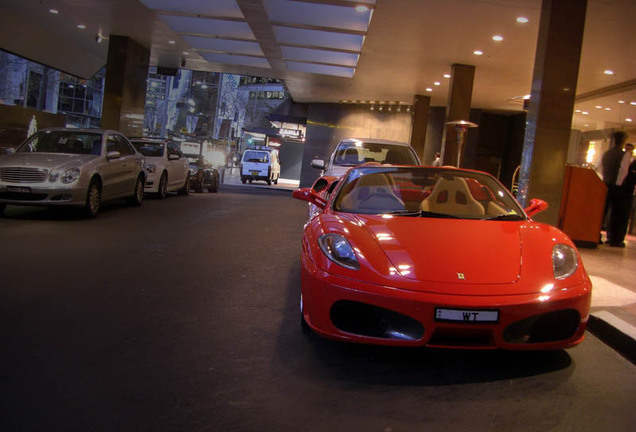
619	217
611	163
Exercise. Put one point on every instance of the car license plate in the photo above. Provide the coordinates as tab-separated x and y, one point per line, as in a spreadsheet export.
19	189
255	173
466	315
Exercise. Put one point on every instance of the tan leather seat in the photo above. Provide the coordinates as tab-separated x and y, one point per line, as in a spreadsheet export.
372	194
452	196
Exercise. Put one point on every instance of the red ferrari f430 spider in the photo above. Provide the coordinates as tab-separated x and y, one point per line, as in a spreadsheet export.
438	257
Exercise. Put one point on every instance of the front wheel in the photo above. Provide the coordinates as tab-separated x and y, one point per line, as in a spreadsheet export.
185	190
138	194
93	199
163	186
214	187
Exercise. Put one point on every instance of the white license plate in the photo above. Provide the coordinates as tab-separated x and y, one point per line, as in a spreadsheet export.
19	189
466	315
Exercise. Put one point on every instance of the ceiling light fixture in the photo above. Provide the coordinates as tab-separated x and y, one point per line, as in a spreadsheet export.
522	20
628	119
598	106
497	38
362	8
609	72
54	11
447	76
478	52
171	42
621	101
428	89
437	83
81	26
608	109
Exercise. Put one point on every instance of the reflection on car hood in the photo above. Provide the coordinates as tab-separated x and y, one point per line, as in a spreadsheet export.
449	250
44	160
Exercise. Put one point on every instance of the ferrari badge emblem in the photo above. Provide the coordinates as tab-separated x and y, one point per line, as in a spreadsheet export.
460	276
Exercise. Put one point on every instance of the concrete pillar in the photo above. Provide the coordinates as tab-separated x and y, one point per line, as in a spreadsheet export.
457	108
125	86
421	105
549	119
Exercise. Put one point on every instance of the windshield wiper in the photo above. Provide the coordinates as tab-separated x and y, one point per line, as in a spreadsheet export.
421	213
510	217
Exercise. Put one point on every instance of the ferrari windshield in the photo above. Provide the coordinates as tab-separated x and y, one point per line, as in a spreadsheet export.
426	192
63	141
352	153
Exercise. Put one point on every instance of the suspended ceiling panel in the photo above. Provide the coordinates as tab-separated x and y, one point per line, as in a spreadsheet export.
329	51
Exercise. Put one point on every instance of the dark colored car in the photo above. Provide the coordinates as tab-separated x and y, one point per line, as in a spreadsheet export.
202	175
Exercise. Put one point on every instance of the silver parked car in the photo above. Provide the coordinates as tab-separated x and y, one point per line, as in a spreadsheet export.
72	167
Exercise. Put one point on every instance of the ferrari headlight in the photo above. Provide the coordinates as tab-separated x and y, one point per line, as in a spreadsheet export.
564	261
338	250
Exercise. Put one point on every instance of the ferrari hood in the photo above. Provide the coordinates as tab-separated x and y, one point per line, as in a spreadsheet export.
449	250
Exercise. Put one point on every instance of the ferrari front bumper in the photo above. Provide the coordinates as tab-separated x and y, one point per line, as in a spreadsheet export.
356	311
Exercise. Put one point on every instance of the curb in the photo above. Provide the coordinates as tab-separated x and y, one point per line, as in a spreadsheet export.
610	335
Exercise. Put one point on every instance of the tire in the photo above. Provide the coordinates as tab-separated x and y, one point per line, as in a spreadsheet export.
138	194
269	181
163	186
2	207
243	180
185	190
200	184
93	199
303	324
214	187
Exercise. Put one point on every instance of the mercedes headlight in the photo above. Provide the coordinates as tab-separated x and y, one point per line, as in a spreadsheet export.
338	250
67	176
564	261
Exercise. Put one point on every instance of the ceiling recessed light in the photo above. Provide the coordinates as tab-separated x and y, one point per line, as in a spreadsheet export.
628	119
598	106
447	76
585	113
621	101
608	72
497	38
171	42
632	103
362	8
54	11
478	52
437	83
577	111
81	26
522	20
608	109
428	89
185	53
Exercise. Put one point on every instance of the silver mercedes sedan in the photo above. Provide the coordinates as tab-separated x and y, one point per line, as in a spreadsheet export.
72	167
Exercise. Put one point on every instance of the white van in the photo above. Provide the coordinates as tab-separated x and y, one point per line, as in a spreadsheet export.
260	165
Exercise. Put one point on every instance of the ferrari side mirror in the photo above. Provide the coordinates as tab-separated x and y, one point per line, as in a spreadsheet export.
536	206
307	194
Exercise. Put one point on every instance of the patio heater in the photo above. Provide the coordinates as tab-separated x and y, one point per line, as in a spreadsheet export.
461	126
